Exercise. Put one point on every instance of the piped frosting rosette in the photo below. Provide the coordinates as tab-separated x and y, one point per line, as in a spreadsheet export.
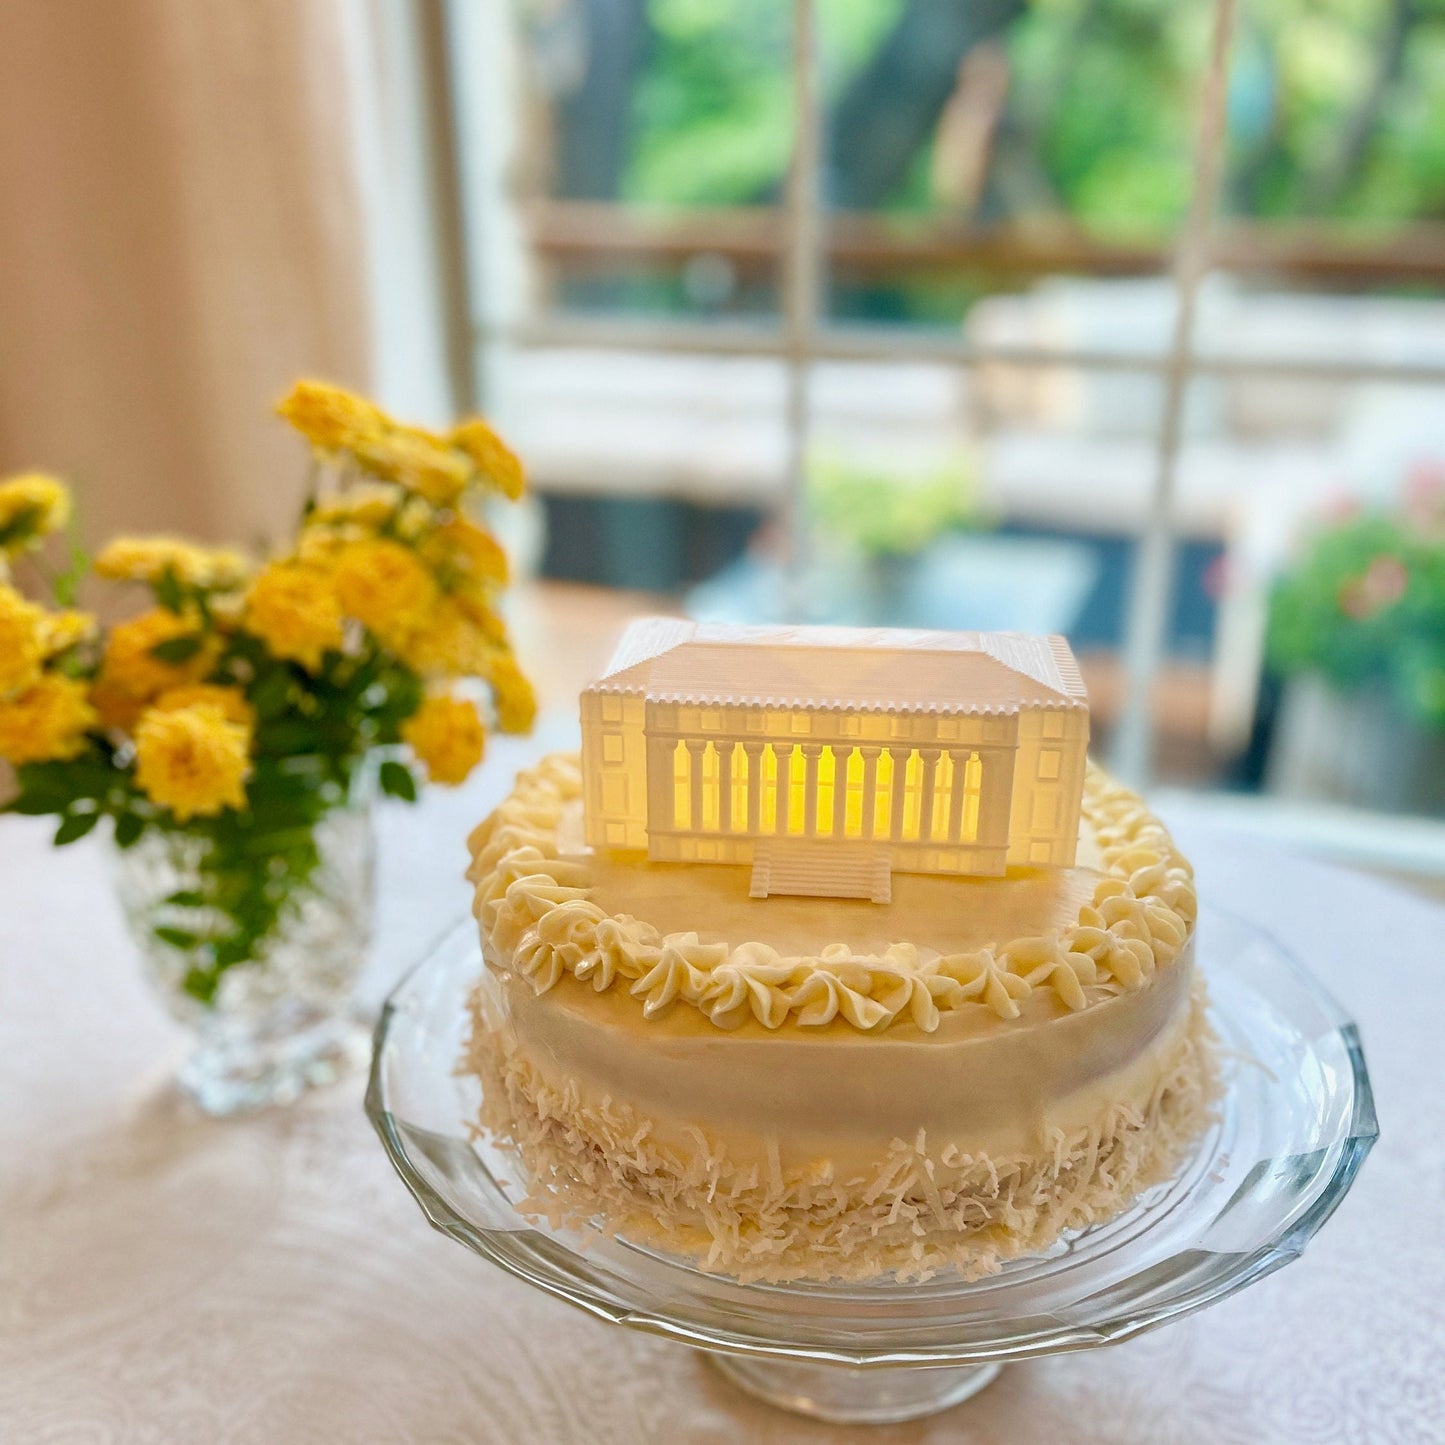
538	917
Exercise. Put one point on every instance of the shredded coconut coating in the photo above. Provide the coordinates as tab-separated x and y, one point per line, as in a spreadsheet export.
538	919
597	1167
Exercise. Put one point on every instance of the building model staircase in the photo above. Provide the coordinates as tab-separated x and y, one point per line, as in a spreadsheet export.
808	868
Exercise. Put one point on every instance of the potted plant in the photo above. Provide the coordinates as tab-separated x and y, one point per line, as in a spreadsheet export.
1357	626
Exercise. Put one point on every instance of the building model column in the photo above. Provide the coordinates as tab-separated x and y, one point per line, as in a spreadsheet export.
930	758
783	752
841	759
696	752
957	792
897	791
661	812
725	786
870	791
811	753
754	754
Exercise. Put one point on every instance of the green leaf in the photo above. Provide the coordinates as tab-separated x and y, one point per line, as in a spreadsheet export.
176	937
271	696
186	898
128	828
32	805
168	592
398	781
176	650
74	826
201	984
66	584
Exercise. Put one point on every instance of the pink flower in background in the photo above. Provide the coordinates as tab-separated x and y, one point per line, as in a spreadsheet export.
1381	585
1340	506
1422	499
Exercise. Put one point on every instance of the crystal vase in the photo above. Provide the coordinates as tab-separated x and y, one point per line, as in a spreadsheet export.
283	1020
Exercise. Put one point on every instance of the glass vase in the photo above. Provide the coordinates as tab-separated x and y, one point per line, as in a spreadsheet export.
283	1020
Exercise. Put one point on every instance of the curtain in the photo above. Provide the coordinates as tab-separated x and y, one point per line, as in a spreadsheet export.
181	234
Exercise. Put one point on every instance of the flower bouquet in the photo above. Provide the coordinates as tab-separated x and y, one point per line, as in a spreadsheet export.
232	731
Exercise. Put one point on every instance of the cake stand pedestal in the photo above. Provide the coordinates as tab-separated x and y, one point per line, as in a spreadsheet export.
849	1395
1294	1126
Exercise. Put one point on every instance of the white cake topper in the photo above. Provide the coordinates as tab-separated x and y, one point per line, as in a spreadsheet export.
831	757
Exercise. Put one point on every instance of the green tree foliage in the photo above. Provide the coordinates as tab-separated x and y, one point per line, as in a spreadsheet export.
1337	107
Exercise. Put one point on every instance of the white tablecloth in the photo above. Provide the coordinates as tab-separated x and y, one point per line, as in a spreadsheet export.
165	1278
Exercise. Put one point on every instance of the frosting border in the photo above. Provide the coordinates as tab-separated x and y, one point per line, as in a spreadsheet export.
537	919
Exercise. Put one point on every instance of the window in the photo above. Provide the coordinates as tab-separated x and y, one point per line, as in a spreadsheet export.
1049	764
710	291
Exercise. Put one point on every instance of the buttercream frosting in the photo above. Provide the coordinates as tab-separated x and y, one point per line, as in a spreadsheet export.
539	917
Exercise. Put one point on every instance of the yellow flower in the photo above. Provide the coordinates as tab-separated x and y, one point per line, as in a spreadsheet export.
477	609
22	643
117	709
417	460
230	700
32	506
384	586
320	548
447	736
491	456
47	722
130	663
449	644
147	559
293	609
471	551
60	630
330	417
192	760
369	505
512	695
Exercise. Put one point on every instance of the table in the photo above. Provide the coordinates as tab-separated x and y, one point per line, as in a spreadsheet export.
166	1278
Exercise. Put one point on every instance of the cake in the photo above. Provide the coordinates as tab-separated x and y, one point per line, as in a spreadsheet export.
831	956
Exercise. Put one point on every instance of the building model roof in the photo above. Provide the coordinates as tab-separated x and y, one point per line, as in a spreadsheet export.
845	668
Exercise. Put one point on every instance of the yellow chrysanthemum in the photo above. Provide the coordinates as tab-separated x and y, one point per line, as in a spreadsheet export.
384	586
491	456
130	664
46	722
117	709
461	547
369	504
448	738
418	461
512	695
449	644
475	604
32	506
147	559
60	630
294	610
192	760
230	700
330	417
22	645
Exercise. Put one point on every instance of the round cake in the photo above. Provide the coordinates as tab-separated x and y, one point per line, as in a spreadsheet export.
785	1088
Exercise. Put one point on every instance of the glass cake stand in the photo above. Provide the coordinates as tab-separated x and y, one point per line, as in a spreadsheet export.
1293	1129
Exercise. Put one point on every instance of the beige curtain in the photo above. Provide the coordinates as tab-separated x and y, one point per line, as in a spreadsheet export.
179	238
